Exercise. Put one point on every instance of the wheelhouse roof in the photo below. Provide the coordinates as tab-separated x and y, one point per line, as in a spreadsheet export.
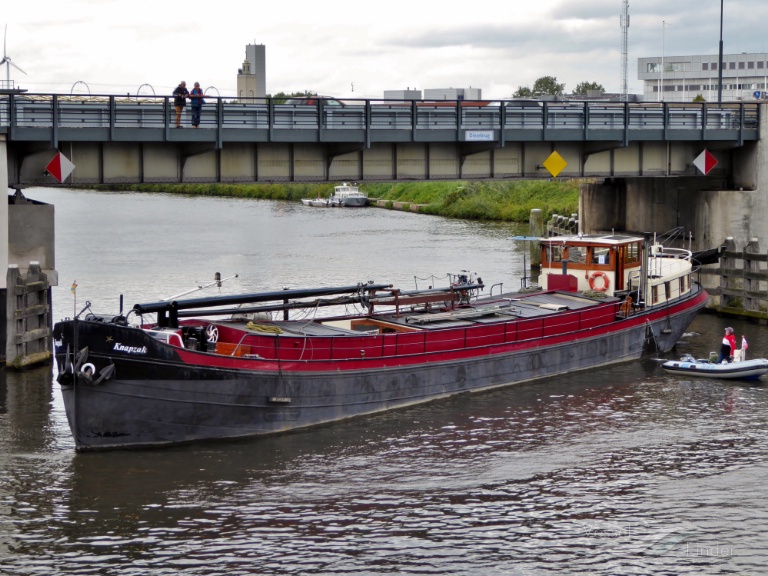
592	240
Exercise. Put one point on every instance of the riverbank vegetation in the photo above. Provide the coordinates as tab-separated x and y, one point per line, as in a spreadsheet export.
507	200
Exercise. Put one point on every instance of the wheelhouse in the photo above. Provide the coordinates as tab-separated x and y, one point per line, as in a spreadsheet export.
614	264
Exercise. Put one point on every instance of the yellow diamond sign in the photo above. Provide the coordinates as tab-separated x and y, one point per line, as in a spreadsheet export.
555	164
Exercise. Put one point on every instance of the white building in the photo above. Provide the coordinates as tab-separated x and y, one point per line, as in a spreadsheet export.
435	94
453	94
407	94
682	78
252	77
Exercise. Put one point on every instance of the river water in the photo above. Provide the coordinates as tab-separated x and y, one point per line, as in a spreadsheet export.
622	470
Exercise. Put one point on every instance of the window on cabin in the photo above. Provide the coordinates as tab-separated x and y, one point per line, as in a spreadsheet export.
554	254
600	256
632	253
577	254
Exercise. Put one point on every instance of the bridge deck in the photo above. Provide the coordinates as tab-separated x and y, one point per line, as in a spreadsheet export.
52	117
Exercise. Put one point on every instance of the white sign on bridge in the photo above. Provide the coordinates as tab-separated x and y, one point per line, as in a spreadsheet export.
479	136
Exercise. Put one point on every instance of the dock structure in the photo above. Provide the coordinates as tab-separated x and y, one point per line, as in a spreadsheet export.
739	284
28	316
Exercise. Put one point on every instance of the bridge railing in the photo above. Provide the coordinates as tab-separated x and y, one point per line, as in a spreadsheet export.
548	120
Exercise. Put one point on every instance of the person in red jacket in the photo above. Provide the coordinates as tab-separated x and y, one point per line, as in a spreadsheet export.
728	346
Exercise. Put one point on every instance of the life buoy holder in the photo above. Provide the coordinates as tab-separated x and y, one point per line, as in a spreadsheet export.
606	281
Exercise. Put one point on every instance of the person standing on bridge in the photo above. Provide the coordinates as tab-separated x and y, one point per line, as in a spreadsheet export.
196	102
180	95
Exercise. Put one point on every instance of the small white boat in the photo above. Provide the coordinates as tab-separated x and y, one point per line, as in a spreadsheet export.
317	202
348	196
743	370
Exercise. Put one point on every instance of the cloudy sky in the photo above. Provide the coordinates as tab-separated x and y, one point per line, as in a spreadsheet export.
359	49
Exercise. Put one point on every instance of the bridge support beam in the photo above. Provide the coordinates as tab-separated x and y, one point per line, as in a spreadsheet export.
3	210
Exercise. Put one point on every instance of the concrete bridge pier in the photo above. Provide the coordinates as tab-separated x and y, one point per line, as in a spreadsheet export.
3	209
27	272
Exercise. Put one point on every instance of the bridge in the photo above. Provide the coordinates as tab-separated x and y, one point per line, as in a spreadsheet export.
133	139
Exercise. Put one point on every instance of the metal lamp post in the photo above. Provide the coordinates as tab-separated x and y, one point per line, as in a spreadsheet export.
663	35
720	63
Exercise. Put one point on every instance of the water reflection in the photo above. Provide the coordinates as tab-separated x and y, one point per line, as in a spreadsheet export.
588	471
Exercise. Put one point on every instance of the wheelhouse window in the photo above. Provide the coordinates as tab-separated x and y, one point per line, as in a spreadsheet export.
600	255
554	253
632	253
577	254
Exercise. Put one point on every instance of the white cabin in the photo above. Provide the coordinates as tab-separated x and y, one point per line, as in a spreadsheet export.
614	264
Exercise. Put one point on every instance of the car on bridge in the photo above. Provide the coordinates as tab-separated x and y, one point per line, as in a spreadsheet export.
313	101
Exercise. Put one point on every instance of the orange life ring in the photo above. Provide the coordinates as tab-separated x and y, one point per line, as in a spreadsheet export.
606	281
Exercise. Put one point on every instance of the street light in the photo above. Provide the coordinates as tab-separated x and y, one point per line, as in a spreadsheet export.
720	63
663	34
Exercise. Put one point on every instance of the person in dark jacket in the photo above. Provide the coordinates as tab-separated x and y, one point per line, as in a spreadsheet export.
180	95
196	102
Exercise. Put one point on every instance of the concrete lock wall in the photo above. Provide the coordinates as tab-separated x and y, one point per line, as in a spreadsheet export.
26	299
31	234
4	220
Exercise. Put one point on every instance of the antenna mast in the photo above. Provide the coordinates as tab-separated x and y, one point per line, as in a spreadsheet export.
624	22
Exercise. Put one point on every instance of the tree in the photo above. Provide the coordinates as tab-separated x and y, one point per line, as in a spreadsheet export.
582	88
699	98
544	86
548	85
523	92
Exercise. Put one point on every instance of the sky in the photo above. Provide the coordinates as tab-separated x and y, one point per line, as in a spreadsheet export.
359	49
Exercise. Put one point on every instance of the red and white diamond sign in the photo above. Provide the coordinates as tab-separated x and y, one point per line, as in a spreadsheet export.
705	162
60	167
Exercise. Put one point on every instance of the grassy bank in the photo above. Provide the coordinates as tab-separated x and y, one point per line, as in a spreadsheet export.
509	201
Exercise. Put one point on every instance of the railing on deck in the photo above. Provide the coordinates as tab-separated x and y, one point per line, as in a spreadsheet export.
470	120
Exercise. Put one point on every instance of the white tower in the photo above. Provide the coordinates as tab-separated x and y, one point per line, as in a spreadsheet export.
256	55
624	22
